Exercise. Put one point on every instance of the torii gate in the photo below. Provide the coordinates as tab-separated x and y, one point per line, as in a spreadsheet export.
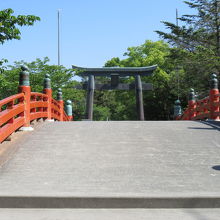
115	73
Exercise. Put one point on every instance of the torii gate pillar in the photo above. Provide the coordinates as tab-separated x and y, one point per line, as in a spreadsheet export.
139	97
90	98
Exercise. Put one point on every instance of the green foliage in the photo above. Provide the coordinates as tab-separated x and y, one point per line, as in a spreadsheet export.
59	74
198	39
9	23
115	105
9	27
201	28
101	113
60	78
8	82
77	97
196	46
122	104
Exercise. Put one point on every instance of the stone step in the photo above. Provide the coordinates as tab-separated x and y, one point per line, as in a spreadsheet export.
109	202
109	214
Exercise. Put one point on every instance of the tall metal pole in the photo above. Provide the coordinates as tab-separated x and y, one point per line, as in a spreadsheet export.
177	21
58	17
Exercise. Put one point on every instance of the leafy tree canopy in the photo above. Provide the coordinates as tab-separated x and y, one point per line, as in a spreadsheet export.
196	43
9	24
60	78
200	29
121	104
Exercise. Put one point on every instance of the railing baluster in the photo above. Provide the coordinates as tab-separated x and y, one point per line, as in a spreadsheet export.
10	106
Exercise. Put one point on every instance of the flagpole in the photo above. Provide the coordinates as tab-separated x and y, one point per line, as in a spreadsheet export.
58	37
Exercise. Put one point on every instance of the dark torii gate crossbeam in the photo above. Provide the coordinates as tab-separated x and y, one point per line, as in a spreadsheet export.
115	73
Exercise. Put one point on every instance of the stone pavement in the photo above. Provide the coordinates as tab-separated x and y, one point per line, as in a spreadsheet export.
109	214
151	164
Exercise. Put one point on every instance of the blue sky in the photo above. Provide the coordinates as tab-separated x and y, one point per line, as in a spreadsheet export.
92	31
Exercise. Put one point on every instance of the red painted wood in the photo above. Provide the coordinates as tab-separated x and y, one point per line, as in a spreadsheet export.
56	116
206	108
27	95
214	104
20	109
37	115
8	114
48	92
38	104
61	103
9	128
12	117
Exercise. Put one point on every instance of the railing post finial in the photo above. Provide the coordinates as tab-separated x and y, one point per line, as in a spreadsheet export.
47	82
24	76
192	96
59	95
214	81
69	109
177	109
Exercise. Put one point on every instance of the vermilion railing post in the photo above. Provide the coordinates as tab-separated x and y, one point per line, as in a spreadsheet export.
24	87
48	91
191	105
214	98
69	110
60	101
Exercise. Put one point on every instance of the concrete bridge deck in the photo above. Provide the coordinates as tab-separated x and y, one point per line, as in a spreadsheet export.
111	165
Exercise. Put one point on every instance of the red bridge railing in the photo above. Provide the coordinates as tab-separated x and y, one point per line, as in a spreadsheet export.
204	109
17	111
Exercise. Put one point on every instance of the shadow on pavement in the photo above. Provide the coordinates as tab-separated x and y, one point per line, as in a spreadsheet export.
216	167
197	215
213	125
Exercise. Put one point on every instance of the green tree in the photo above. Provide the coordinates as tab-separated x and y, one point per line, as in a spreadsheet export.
196	43
200	29
9	24
9	27
157	103
60	78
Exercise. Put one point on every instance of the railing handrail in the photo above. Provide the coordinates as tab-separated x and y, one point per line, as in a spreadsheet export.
30	106
10	98
206	108
203	99
38	94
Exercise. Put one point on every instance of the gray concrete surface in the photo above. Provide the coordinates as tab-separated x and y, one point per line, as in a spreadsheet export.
110	214
145	164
